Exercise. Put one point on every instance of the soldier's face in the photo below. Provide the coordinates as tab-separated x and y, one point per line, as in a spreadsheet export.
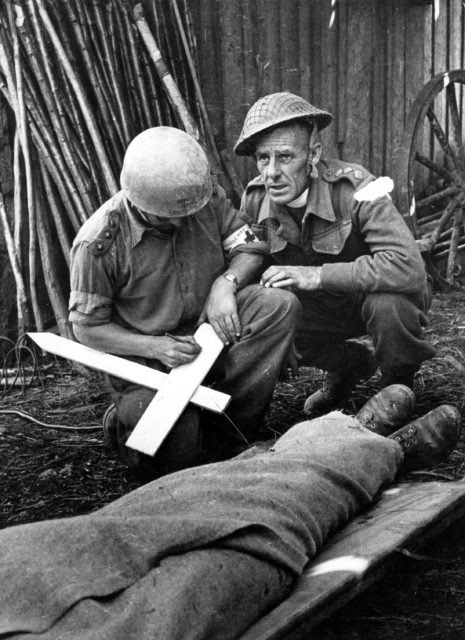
281	158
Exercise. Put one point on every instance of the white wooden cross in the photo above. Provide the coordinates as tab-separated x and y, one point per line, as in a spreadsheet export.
175	389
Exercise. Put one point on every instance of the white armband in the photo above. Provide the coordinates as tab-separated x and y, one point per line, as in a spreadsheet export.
244	235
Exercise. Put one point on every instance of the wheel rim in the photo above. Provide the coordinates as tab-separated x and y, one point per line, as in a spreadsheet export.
430	170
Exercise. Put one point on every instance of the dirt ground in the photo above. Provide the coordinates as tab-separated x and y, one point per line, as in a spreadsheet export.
53	473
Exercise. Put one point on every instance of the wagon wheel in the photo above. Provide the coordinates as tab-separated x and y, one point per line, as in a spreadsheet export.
429	171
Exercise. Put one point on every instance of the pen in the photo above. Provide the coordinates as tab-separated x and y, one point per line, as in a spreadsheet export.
184	339
177	338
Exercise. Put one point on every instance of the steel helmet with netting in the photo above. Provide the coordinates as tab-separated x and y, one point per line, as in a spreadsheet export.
166	173
273	110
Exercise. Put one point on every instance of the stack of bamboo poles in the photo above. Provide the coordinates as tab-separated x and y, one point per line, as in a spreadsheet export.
83	77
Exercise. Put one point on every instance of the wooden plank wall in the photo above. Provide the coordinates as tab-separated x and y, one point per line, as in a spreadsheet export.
363	61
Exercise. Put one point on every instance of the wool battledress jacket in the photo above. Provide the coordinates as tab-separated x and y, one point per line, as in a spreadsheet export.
362	246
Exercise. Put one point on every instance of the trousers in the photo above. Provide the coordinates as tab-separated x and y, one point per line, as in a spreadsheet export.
395	323
247	370
200	554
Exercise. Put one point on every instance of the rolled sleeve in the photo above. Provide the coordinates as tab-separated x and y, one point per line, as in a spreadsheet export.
92	288
89	308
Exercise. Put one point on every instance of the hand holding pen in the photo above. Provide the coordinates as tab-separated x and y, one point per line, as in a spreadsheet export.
176	350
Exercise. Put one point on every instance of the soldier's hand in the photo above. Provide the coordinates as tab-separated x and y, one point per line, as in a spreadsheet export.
176	350
221	311
289	277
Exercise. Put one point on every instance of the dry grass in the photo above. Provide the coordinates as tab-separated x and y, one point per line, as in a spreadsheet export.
49	473
46	473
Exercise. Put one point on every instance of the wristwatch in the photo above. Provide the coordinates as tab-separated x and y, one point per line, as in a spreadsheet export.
231	277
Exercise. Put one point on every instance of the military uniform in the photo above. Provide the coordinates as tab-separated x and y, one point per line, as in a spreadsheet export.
126	272
373	277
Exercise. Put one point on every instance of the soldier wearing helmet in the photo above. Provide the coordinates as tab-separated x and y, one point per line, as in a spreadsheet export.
335	238
164	254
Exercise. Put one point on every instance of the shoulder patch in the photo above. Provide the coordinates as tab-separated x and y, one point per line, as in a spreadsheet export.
102	243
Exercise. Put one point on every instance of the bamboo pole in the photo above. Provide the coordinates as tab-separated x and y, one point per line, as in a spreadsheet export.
112	76
153	94
96	84
172	51
18	227
17	200
134	111
16	89
115	122
56	175
138	72
54	208
47	84
172	90
73	113
208	128
169	117
23	309
45	131
220	152
82	99
167	114
77	67
49	265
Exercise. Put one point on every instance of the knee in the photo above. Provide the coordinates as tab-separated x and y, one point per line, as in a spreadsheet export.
280	303
131	406
389	310
182	448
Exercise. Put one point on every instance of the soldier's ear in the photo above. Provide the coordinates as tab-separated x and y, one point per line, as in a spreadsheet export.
314	152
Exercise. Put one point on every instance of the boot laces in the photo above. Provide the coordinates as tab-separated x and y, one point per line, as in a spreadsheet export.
407	438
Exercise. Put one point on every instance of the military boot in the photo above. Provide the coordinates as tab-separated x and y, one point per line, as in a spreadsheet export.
389	409
429	439
358	364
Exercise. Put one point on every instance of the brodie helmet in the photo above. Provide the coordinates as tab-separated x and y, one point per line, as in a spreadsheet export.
166	173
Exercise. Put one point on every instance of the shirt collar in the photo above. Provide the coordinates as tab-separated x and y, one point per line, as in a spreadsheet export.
300	201
318	201
319	198
136	226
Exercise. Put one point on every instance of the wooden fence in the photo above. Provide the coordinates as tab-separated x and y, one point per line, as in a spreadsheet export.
363	60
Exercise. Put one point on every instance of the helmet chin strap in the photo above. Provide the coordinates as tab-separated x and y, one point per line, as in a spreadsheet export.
312	171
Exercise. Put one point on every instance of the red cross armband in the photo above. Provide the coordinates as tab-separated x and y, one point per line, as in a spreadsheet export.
244	235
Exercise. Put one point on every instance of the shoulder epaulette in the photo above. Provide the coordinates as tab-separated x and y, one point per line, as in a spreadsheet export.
107	235
339	170
256	183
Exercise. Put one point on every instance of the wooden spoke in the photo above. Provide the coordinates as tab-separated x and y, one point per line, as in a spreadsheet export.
430	164
437	197
454	244
456	128
448	211
441	137
429	174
